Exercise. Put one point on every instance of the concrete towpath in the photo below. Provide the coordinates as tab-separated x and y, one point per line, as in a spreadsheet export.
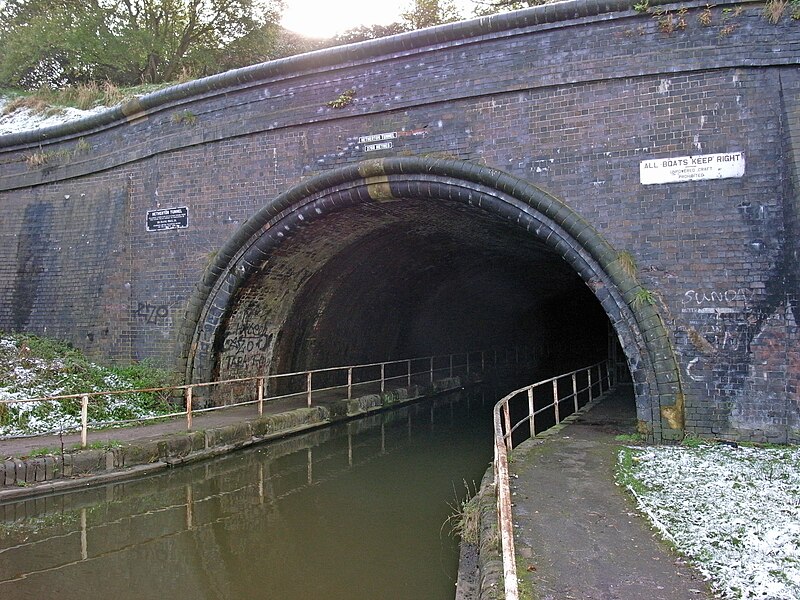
577	534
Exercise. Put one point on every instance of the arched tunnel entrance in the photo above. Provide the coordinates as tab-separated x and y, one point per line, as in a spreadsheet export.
407	257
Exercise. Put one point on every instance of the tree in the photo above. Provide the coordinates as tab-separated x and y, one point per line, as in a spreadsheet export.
57	42
427	13
369	32
484	8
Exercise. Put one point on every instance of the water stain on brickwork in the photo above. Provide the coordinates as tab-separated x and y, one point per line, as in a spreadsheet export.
33	236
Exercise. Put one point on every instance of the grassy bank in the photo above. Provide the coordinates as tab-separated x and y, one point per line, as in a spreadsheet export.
734	511
34	367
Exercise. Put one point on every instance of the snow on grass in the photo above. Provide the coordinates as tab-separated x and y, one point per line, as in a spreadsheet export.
25	119
734	511
35	368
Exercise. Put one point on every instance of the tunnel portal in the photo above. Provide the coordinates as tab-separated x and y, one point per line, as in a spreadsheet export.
369	265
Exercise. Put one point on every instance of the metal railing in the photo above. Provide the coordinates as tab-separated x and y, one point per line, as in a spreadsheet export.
366	378
566	394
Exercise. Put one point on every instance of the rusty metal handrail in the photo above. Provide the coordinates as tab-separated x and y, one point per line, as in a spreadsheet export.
486	357
503	444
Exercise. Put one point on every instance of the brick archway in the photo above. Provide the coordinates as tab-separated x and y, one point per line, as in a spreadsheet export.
520	204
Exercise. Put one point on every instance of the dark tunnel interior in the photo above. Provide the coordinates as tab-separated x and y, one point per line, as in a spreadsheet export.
415	278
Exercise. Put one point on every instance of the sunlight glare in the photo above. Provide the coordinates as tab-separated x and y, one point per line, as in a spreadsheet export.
313	18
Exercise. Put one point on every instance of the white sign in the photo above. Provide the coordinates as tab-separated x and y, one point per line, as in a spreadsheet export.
378	137
691	168
379	146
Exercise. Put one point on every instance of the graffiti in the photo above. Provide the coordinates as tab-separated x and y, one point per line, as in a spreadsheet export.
690	370
243	363
701	297
250	330
728	332
245	347
245	344
151	314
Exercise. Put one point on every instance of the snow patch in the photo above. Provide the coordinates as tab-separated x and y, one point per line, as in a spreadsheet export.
735	511
24	119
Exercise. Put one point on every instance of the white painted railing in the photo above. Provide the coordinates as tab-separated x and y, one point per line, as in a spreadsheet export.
364	378
564	395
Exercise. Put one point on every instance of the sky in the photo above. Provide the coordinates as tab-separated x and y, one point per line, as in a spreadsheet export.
325	18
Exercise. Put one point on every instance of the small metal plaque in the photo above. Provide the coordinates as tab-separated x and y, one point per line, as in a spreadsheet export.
168	218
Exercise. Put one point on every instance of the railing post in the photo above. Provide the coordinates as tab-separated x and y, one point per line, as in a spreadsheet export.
507	420
383	377
431	369
260	396
451	366
349	383
84	420
555	400
188	394
505	525
467	365
308	387
483	361
575	390
409	372
591	387
531	410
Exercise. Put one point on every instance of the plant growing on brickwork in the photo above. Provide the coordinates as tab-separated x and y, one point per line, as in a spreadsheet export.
727	30
642	7
627	263
730	13
81	147
41	158
185	117
705	17
344	99
795	6
669	22
681	21
643	297
774	10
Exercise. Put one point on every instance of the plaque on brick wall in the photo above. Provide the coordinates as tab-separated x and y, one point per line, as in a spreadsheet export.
691	168
168	218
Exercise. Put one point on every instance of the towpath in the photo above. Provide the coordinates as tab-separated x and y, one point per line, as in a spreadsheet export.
578	534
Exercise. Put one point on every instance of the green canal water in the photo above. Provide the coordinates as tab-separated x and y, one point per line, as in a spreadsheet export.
355	511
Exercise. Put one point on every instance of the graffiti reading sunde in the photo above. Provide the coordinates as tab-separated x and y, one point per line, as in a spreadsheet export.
691	168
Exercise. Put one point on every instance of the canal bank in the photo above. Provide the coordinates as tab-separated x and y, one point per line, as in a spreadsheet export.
49	464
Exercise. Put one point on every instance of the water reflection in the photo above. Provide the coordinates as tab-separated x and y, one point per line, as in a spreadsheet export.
353	511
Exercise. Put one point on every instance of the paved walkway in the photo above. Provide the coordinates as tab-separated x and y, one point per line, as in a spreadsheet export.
577	532
20	447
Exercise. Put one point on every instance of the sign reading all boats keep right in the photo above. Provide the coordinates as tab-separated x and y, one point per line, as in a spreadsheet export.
691	168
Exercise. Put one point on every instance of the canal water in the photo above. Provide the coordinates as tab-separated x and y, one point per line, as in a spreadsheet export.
358	510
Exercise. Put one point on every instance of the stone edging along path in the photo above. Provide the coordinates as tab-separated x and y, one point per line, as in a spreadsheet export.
26	477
